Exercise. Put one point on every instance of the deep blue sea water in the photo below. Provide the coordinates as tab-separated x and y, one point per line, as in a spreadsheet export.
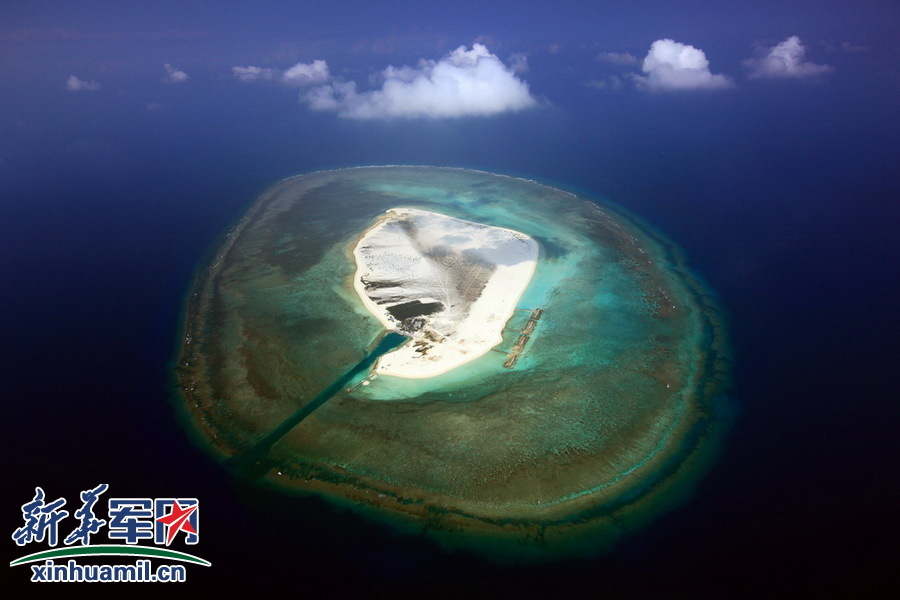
786	205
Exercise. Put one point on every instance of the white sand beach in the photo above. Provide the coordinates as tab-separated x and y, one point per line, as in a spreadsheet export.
449	284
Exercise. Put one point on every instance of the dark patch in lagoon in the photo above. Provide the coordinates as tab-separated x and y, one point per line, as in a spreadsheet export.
562	386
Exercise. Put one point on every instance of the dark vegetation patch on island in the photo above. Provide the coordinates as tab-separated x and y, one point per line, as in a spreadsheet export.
414	308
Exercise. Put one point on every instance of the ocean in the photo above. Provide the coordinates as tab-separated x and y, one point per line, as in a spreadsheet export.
786	208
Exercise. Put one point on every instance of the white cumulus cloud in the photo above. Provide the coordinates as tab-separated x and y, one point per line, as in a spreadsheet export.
306	74
251	73
74	84
670	65
174	75
301	74
466	82
785	60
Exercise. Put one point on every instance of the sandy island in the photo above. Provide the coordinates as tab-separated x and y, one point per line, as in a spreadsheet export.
449	284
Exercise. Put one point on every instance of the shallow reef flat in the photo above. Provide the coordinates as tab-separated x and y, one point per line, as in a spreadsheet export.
609	412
